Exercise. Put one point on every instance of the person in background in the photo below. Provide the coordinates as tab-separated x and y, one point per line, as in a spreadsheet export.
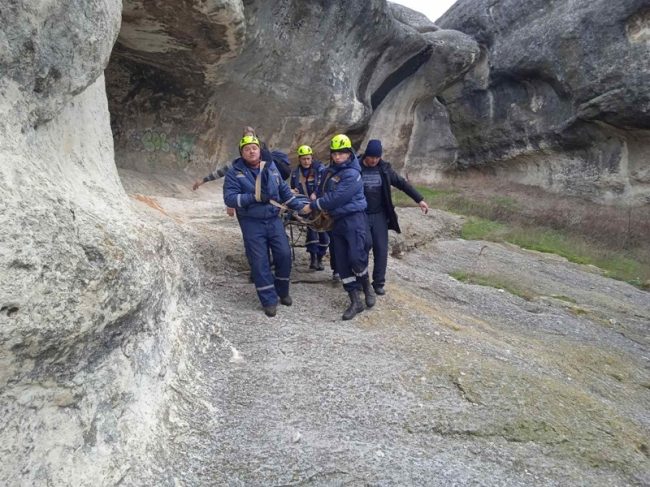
378	177
251	186
218	173
306	180
343	199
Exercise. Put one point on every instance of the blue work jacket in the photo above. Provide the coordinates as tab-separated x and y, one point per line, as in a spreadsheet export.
239	191
308	184
342	189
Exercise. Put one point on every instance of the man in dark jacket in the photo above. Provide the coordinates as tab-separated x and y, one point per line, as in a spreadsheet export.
343	199
252	185
378	177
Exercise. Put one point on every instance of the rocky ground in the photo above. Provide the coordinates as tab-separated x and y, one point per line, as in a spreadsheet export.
442	383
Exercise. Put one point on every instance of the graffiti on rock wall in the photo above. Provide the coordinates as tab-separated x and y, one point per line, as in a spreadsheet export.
154	141
182	145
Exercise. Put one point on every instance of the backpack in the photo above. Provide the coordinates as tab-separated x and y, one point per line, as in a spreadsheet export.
282	162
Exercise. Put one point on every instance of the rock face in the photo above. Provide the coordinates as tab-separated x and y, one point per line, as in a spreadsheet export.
132	347
560	97
81	278
50	53
298	71
542	93
412	122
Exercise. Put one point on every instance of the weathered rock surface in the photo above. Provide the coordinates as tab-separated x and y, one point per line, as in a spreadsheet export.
133	350
548	94
560	97
83	283
50	52
412	122
298	71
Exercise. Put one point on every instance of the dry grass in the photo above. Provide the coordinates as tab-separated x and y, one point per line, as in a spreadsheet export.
613	238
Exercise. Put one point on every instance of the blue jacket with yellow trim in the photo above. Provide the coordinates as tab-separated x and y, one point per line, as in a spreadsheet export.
239	191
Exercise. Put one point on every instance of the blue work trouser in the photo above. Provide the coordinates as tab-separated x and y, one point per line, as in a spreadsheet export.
351	245
378	234
260	235
332	258
317	242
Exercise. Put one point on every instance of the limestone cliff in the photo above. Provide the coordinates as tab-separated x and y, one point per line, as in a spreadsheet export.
538	92
298	71
559	97
81	278
132	348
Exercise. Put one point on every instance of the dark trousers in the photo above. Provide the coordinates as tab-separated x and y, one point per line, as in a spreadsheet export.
378	234
351	245
332	258
260	236
317	242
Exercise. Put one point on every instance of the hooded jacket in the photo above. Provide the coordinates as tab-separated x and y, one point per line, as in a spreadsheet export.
342	189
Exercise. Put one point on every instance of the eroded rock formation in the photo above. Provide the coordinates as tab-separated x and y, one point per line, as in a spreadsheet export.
131	348
560	96
298	71
82	280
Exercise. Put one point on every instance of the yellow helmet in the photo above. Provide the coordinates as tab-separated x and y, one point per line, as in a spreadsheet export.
304	150
340	142
248	139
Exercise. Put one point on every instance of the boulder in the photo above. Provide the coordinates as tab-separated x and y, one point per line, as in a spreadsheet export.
560	96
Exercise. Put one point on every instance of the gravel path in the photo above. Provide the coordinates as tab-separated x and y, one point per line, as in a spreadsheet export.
442	383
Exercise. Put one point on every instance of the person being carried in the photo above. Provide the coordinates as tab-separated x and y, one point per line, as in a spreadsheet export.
378	177
254	187
306	180
343	199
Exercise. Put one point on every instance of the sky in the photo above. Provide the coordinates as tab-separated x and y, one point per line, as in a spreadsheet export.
431	8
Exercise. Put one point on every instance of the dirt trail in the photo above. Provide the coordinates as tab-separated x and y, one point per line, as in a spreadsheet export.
442	383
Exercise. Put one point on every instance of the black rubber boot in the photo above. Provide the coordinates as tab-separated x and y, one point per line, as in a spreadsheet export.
369	292
312	262
286	300
319	263
356	306
271	310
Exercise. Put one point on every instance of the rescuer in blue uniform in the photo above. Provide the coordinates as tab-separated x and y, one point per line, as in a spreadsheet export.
343	199
306	180
250	186
378	177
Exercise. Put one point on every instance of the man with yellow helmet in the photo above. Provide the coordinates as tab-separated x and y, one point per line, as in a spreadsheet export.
343	198
250	186
305	180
